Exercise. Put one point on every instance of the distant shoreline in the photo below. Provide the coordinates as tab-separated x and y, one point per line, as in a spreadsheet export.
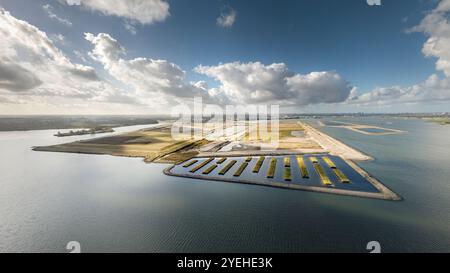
71	122
81	132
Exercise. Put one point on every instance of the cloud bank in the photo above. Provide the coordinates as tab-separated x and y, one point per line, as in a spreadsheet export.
435	25
255	82
144	12
251	82
33	68
148	77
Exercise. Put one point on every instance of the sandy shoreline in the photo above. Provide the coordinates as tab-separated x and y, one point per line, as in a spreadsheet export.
334	146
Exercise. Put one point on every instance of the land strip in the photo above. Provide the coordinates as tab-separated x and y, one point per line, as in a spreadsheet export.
362	128
334	146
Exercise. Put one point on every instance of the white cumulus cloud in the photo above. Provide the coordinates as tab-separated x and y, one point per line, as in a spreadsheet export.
52	15
432	89
227	19
32	67
255	82
148	77
437	27
142	11
251	82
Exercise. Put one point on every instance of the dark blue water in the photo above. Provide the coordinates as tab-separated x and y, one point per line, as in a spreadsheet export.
358	183
119	204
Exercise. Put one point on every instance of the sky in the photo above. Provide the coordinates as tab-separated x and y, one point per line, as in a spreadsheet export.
146	56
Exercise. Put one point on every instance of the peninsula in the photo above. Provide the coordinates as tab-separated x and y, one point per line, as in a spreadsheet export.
92	131
329	162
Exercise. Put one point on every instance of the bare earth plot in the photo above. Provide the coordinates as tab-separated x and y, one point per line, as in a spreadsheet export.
155	144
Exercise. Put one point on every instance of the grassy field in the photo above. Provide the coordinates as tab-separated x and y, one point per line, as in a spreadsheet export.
302	166
210	169
285	129
220	161
272	167
342	177
157	144
153	145
241	169
291	139
258	164
190	163
290	136
227	167
287	174
323	176
201	165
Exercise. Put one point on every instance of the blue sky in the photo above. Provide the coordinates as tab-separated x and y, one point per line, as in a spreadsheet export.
369	47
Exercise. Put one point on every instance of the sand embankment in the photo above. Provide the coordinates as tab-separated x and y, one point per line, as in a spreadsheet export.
334	146
260	153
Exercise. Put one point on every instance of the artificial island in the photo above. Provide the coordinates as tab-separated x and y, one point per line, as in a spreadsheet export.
303	158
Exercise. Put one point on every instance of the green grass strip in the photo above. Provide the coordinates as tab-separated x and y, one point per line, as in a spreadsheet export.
323	176
190	163
342	177
227	167
329	162
313	159
210	169
272	167
287	161
220	161
302	167
201	165
287	174
258	164
241	169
